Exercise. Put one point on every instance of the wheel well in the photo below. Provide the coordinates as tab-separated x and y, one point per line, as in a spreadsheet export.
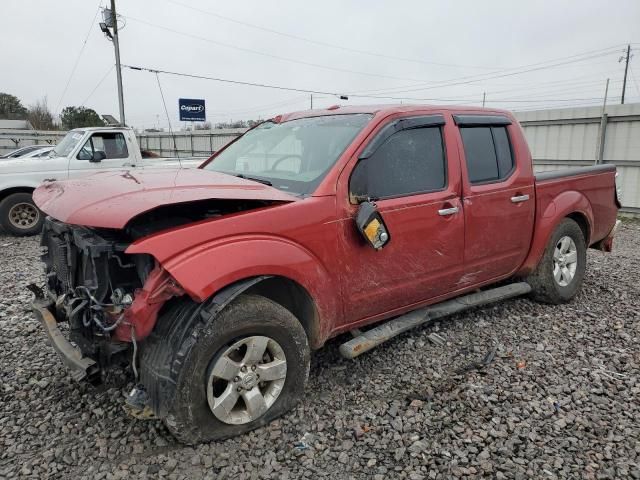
583	223
294	298
10	191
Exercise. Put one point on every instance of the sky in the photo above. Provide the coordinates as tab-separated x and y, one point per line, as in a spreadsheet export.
519	55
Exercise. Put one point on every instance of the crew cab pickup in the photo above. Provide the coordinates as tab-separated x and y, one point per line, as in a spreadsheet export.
214	284
82	151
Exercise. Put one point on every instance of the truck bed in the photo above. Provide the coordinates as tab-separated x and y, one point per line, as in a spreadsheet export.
596	186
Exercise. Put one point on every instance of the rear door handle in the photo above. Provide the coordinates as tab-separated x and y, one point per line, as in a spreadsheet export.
443	212
519	198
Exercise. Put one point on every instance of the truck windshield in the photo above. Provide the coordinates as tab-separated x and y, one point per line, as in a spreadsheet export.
67	144
293	156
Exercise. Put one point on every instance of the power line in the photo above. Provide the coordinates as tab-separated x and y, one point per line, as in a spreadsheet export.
279	87
579	86
75	65
635	82
476	78
321	43
473	78
98	85
551	85
483	76
595	103
269	55
236	82
260	108
175	147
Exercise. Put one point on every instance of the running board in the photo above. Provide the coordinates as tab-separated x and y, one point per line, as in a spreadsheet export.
380	334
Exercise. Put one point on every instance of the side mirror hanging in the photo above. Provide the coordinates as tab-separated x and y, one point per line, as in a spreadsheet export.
370	224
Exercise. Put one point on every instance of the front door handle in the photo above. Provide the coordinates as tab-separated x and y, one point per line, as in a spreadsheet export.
519	198
443	212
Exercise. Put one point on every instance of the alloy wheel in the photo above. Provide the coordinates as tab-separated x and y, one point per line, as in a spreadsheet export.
246	379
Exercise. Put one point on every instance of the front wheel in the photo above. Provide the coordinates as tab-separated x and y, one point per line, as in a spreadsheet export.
559	275
19	216
236	370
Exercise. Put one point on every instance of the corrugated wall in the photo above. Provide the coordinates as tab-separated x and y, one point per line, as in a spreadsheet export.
569	137
198	143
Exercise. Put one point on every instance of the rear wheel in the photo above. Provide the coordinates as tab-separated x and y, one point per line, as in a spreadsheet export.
559	275
235	370
19	215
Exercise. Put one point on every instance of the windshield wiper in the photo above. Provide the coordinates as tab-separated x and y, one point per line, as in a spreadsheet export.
259	180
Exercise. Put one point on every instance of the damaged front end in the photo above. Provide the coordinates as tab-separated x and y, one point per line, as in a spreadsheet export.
109	299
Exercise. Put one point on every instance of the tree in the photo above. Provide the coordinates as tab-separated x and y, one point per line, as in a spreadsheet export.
77	117
11	107
40	116
202	126
238	124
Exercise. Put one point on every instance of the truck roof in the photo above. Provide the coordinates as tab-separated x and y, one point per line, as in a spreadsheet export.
95	129
386	109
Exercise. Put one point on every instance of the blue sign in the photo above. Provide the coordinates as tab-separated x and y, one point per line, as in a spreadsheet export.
191	110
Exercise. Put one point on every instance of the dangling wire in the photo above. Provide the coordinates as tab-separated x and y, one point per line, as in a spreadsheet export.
175	147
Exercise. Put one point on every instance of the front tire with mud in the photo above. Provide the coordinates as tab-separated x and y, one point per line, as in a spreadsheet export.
230	371
559	275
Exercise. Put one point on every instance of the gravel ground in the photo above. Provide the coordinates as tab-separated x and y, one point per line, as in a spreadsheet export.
560	399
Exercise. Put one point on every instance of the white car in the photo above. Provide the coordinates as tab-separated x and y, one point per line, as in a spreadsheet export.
81	152
23	151
40	152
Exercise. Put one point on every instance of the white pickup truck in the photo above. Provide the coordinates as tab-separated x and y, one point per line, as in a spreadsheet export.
81	152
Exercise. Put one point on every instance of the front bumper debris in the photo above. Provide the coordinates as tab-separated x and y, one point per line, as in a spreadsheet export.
81	367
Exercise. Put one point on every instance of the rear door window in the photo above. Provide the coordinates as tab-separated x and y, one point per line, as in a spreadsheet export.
488	153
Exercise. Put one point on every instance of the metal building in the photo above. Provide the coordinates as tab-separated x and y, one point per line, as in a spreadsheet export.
570	137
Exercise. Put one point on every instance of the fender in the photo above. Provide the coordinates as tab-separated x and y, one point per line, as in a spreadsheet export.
208	268
11	188
549	217
24	185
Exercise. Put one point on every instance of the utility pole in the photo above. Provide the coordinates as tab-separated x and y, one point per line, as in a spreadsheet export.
484	96
116	46
603	127
626	70
312	101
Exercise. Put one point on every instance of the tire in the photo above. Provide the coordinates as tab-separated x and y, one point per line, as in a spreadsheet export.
192	341
19	216
549	282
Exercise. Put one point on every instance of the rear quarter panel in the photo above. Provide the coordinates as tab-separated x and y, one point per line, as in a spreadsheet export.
586	193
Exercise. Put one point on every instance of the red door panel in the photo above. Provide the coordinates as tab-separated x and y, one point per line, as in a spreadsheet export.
498	231
499	216
423	258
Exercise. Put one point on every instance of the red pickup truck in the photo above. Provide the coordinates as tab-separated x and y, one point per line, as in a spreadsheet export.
214	284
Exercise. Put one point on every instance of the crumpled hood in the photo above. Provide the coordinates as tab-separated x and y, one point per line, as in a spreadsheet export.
111	199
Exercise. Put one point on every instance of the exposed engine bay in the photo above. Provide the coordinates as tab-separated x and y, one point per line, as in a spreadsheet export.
109	298
91	282
170	216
